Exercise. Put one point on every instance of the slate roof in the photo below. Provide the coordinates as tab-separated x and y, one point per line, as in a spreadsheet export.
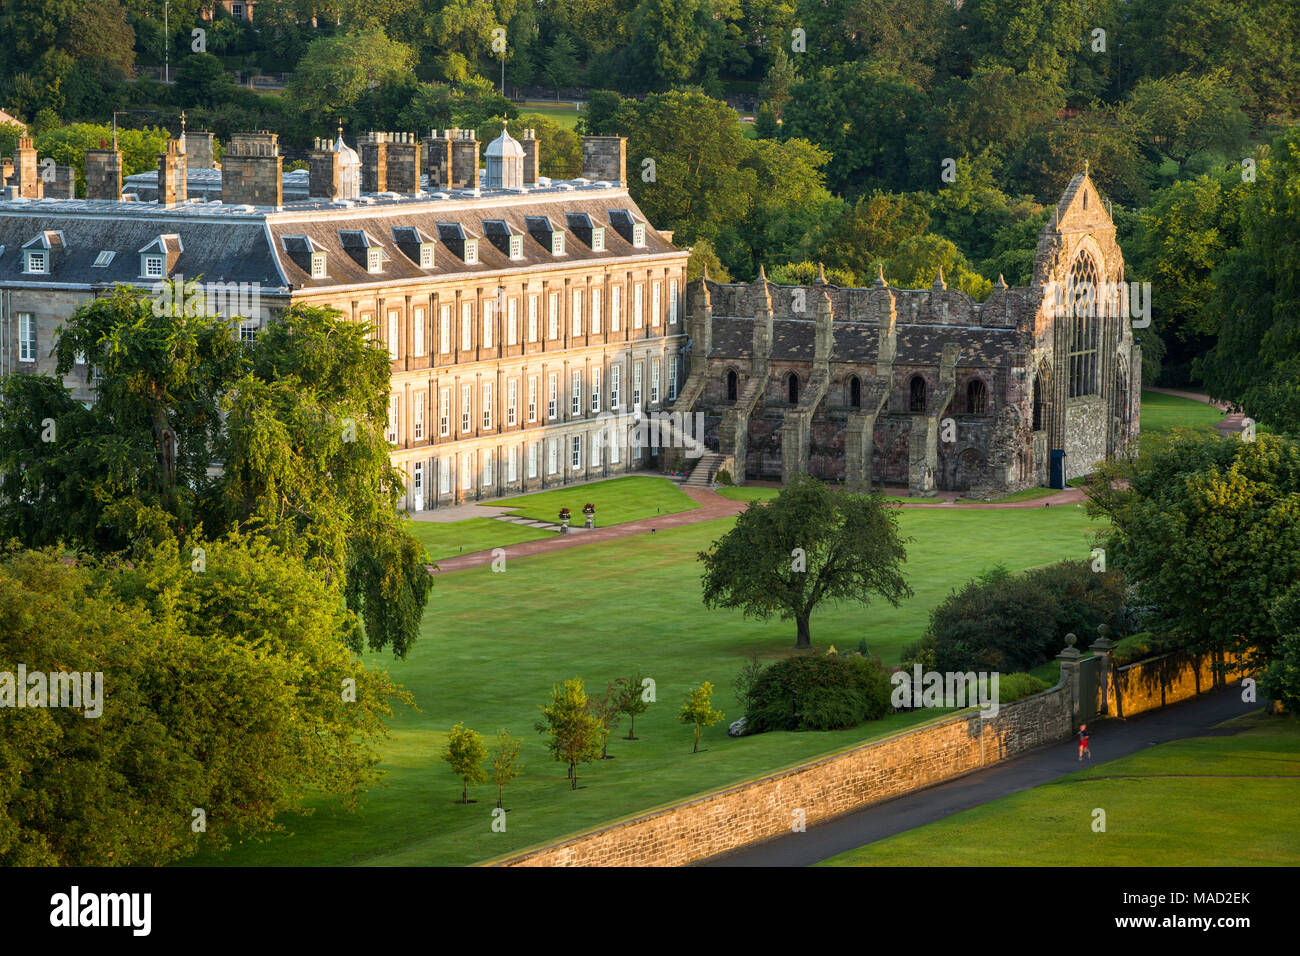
246	244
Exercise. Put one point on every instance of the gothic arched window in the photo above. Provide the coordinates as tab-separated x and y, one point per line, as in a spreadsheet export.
976	397
1040	404
1083	296
855	392
916	394
792	386
731	385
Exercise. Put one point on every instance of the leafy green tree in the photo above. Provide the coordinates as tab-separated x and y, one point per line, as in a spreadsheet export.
1105	138
465	754
807	546
297	419
99	28
1207	531
869	231
203	81
575	734
775	90
505	763
918	261
1184	115
631	701
561	66
1036	37
903	36
1282	679
669	40
223	689
336	71
699	710
606	711
67	144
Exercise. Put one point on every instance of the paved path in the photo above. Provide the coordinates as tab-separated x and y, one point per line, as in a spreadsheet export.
1232	421
1110	739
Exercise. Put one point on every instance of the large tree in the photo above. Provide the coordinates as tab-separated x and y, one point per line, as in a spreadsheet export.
808	546
295	419
336	71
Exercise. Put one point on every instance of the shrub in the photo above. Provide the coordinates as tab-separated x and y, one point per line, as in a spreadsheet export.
1015	686
833	693
723	477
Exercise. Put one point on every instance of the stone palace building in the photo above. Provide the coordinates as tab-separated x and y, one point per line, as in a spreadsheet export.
524	318
925	388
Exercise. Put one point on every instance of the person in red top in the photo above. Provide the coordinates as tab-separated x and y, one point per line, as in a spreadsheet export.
1083	742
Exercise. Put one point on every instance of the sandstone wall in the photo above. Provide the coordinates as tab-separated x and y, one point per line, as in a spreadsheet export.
1160	681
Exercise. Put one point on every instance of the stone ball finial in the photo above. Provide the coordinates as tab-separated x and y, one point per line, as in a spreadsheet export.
1070	640
1103	630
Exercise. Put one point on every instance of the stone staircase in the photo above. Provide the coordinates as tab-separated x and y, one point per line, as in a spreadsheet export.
705	466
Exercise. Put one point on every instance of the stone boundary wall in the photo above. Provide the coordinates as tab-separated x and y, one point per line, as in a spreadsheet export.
827	787
1160	681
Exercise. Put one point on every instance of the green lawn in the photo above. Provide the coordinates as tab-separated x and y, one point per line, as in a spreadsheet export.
1184	803
446	539
617	501
493	643
562	114
1161	413
763	493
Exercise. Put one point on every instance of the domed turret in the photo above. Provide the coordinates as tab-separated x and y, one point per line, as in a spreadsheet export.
505	162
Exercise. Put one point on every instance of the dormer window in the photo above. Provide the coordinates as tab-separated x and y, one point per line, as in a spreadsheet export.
153	267
318	265
557	244
307	254
580	225
550	238
159	257
426	256
638	235
598	239
415	245
499	233
363	249
516	247
38	263
627	227
375	260
471	252
39	252
460	242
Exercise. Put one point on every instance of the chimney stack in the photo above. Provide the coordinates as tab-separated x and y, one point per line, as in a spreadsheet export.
464	159
604	158
532	162
437	159
104	173
251	173
6	170
198	150
29	174
334	170
64	185
374	163
403	163
173	184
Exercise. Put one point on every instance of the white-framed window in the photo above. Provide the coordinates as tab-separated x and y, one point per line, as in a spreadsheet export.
654	382
153	265
552	395
672	302
444	329
466	326
595	449
487	324
638	305
512	402
532	398
532	318
417	330
616	439
487	404
532	460
318	265
417	423
672	378
552	456
426	255
598	239
516	247
471	252
553	316
615	380
575	406
466	406
656	303
444	476
375	260
575	457
487	469
512	321
466	471
394	330
595	311
595	389
444	412
391	433
636	386
577	312
417	486
615	307
26	337
248	331
638	238
512	473
557	243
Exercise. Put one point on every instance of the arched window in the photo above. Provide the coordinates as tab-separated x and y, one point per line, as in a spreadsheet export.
731	385
916	394
792	385
855	392
976	397
1083	296
1040	404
